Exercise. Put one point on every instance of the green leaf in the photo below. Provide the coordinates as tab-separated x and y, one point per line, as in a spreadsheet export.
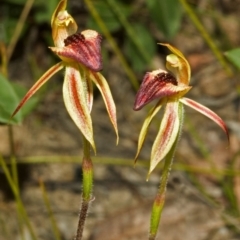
8	102
147	43
234	57
167	15
10	96
109	18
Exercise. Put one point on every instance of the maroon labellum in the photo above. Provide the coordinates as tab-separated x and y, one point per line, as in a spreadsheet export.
85	48
156	84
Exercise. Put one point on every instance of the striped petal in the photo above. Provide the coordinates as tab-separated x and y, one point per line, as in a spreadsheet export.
207	112
145	126
84	47
167	134
45	77
75	96
158	84
103	87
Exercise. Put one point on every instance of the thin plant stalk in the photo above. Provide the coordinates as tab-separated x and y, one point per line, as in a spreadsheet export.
87	170
4	70
126	162
206	36
13	162
113	44
20	205
14	169
4	229
129	29
161	195
6	57
55	229
3	54
19	27
21	230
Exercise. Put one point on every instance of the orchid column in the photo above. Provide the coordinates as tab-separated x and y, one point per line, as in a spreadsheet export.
81	57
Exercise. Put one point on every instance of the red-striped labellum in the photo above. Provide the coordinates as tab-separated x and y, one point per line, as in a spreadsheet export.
84	47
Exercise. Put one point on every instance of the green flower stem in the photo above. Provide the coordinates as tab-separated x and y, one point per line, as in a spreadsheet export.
87	169
160	197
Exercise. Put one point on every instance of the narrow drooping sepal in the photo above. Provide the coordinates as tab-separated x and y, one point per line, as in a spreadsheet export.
43	79
84	47
145	126
178	65
103	87
158	84
207	112
75	100
167	134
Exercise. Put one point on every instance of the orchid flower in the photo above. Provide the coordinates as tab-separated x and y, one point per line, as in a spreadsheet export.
81	56
170	88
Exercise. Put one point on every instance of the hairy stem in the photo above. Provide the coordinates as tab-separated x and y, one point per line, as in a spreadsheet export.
160	197
87	169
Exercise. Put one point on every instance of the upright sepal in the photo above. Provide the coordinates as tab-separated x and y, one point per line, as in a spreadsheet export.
84	47
76	101
60	8
63	24
178	64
